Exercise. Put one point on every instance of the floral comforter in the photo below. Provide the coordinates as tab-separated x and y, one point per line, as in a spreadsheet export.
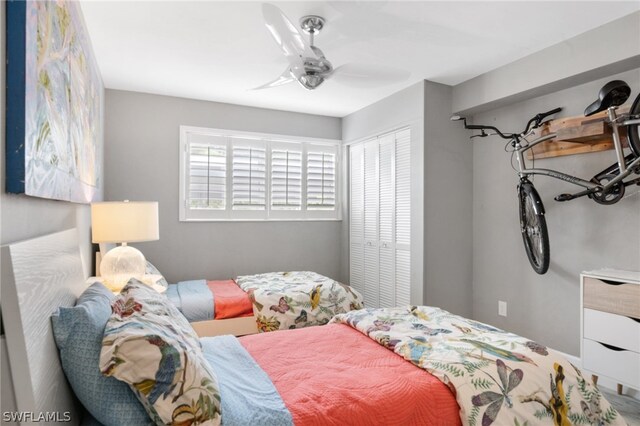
497	377
284	300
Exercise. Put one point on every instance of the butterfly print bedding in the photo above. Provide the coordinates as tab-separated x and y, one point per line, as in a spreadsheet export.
285	300
498	378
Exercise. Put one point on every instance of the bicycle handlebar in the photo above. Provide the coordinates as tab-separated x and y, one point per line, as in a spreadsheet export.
536	121
482	127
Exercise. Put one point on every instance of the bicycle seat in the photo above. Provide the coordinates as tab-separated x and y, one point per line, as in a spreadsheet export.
614	93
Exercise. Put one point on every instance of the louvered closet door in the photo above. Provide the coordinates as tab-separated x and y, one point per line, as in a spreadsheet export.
356	215
371	200
402	217
386	179
380	212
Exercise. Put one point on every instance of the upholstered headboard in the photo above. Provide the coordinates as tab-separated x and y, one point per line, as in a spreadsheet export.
38	276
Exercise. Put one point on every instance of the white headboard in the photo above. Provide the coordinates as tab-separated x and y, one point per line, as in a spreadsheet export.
38	276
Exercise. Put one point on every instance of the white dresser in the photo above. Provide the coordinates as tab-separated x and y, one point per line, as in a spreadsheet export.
610	325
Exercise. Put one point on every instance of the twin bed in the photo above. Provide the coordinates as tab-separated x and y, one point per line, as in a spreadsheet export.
262	302
352	371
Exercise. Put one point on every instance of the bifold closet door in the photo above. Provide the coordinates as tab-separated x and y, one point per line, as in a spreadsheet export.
371	200
386	221
402	217
380	215
356	217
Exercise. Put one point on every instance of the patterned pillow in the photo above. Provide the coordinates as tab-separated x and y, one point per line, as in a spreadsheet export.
160	281
78	334
150	345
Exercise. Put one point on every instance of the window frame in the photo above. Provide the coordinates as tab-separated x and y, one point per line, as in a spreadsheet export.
268	141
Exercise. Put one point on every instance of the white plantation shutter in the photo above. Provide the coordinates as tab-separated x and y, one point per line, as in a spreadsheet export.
207	176
321	178
286	178
249	177
229	175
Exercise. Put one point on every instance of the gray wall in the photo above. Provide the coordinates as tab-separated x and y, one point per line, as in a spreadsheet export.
402	109
441	169
602	51
23	217
448	195
141	158
583	234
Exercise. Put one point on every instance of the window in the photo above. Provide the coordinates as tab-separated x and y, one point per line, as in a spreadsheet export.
286	177
249	174
226	175
207	176
321	179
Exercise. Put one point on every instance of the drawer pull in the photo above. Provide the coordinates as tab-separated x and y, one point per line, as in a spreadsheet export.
611	282
613	348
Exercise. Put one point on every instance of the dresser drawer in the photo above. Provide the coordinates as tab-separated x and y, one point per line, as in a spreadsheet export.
621	365
616	330
610	296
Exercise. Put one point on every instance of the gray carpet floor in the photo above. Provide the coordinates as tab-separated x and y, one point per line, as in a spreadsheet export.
627	406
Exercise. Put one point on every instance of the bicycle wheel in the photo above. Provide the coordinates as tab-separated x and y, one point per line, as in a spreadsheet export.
533	227
634	129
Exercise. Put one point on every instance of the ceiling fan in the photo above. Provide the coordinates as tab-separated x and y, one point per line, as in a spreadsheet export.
307	63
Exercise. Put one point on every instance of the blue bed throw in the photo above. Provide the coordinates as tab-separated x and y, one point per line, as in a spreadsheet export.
193	298
248	395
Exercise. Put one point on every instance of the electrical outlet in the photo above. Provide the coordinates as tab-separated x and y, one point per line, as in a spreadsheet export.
502	308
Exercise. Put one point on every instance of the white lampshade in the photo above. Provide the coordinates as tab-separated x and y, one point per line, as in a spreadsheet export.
124	221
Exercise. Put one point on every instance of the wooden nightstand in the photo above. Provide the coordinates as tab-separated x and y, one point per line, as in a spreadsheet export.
610	325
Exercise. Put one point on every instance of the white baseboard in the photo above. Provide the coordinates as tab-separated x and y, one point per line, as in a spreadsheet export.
603	381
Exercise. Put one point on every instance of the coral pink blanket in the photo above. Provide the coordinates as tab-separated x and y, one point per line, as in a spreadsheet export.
334	375
230	300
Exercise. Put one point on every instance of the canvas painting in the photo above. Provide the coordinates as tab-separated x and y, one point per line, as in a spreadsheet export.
54	103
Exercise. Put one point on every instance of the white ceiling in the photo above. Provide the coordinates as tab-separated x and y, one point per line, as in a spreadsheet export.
219	50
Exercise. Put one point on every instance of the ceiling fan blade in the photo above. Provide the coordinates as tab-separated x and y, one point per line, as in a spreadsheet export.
284	78
368	75
285	34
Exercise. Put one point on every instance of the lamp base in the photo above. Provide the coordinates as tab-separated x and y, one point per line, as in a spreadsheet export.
120	264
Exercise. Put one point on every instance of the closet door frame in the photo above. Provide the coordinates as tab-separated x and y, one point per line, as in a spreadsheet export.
378	255
417	188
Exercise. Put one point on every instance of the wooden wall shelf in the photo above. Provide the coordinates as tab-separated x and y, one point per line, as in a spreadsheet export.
576	135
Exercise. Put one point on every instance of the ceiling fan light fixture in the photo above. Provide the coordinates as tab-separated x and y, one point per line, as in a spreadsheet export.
310	82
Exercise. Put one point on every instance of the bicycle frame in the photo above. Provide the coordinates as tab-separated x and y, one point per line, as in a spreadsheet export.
625	169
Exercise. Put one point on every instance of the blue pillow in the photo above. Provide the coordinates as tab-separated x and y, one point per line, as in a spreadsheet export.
78	332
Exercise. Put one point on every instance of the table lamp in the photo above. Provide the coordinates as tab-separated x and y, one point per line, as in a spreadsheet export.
123	222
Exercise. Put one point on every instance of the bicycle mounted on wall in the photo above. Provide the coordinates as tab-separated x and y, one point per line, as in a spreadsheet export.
606	187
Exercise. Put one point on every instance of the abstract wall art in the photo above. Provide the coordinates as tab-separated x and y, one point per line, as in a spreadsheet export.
55	99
